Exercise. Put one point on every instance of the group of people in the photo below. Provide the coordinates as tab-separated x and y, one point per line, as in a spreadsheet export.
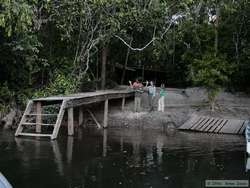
150	88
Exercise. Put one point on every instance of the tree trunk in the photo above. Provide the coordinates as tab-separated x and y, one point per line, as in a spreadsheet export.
236	42
125	63
104	62
216	26
173	56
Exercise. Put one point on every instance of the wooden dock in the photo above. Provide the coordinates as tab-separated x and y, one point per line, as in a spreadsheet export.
34	116
214	125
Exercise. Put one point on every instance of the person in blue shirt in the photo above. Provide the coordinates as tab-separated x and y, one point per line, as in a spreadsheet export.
151	95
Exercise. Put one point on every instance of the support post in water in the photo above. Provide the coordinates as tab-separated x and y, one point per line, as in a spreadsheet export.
80	116
70	121
123	103
38	116
105	119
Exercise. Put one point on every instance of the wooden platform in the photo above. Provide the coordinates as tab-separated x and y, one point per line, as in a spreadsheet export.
34	116
214	125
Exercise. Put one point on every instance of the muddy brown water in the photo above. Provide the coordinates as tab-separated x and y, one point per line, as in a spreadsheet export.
122	157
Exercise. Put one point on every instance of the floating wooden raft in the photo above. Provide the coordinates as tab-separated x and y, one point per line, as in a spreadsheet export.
214	125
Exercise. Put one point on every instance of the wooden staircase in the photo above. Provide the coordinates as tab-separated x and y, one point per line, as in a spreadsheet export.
33	112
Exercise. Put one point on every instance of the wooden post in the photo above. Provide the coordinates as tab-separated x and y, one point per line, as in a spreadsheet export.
59	120
123	103
70	121
95	120
105	119
27	111
80	116
38	116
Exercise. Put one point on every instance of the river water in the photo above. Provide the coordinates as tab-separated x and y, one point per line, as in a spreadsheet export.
122	157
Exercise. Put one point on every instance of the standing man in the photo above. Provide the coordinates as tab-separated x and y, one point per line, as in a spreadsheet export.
151	95
161	101
138	89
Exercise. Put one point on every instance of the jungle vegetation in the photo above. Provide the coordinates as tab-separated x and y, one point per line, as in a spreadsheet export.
50	47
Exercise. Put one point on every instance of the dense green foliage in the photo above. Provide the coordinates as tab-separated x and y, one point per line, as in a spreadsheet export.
212	72
55	47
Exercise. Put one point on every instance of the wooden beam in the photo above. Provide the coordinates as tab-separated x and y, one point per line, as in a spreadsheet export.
70	121
94	99
59	120
94	118
27	111
35	134
123	103
38	117
105	118
80	122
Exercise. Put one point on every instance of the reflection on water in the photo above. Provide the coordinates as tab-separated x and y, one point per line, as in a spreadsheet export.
247	164
105	141
128	157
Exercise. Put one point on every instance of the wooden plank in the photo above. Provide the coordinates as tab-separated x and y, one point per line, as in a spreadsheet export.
86	94
41	124
74	102
206	119
27	110
211	124
80	121
223	123
105	118
242	129
217	123
59	120
35	134
38	117
198	120
197	124
238	128
95	120
70	121
189	122
231	126
203	128
208	125
40	114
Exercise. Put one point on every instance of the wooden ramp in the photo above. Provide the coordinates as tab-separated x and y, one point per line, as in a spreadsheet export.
214	125
37	121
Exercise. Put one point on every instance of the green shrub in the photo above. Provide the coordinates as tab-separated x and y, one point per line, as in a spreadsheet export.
6	97
211	72
60	84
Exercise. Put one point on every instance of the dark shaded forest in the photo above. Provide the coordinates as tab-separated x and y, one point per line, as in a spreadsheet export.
50	47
